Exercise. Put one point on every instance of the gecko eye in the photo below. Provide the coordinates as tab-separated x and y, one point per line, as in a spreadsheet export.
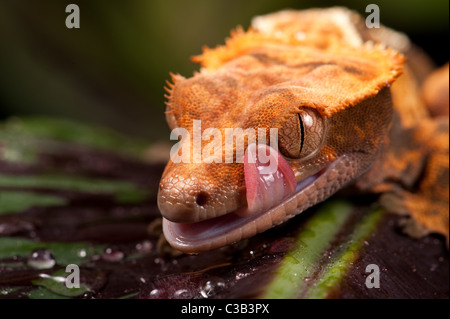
301	134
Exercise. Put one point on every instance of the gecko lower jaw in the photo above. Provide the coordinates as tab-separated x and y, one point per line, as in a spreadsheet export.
229	228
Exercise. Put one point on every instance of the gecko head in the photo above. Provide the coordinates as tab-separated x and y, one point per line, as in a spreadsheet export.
331	113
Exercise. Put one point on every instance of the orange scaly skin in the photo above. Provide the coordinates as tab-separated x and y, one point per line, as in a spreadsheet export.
368	125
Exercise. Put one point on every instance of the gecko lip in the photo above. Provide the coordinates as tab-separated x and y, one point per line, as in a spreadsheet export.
215	232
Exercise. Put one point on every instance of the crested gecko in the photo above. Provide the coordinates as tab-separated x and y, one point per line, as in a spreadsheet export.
347	103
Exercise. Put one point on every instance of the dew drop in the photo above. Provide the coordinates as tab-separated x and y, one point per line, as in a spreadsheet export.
241	275
41	259
82	253
87	295
112	255
145	247
179	293
154	292
207	289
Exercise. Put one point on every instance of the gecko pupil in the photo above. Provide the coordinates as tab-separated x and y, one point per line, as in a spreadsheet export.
302	132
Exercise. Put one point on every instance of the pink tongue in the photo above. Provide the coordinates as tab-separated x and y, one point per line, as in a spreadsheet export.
267	183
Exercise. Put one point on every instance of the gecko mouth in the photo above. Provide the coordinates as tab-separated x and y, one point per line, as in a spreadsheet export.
226	229
281	197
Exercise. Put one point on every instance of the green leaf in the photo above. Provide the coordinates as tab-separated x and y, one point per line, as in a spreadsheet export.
337	268
301	262
7	290
21	140
309	270
43	293
66	182
126	192
64	253
56	283
129	296
17	201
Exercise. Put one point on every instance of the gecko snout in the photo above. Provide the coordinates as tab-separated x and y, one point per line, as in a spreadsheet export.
186	198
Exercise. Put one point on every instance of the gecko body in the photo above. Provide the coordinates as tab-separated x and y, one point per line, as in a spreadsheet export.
348	110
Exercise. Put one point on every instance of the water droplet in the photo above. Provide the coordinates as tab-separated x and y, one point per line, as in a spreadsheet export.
145	247
82	253
41	259
241	275
154	292
179	293
59	279
112	255
87	295
433	267
207	289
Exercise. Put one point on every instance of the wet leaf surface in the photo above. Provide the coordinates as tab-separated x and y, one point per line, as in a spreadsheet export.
70	194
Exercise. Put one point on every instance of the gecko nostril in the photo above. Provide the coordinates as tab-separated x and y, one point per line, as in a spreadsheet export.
201	198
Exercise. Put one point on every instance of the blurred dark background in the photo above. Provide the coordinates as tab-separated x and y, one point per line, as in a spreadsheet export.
113	69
